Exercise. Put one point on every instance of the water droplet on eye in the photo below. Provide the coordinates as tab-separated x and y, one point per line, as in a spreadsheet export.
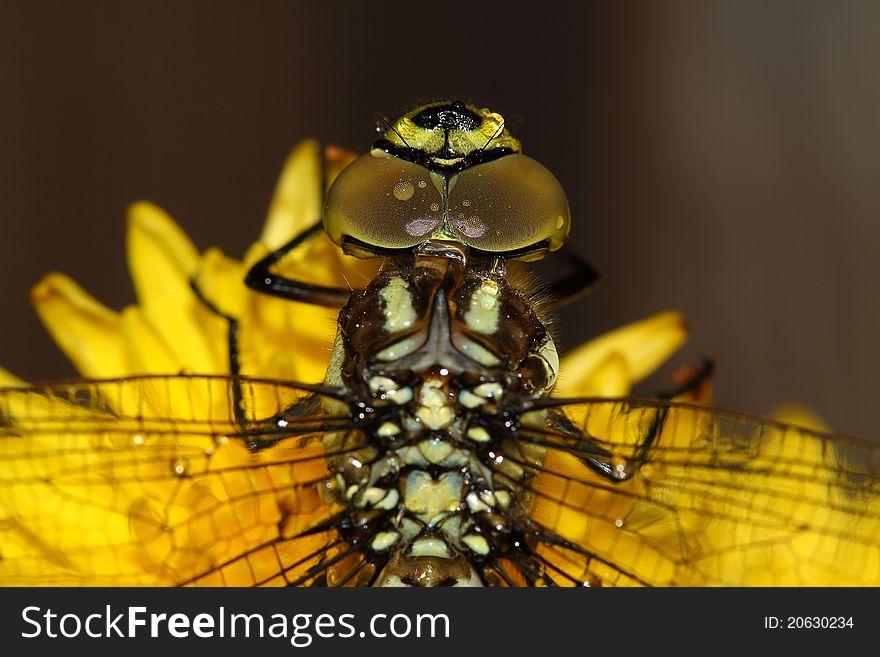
560	222
422	184
466	203
435	207
403	190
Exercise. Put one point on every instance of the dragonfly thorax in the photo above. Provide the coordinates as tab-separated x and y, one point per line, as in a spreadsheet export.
444	355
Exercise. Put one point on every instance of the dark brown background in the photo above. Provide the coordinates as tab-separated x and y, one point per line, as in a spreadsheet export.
720	158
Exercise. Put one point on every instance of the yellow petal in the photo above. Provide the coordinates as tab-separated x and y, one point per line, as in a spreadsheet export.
151	223
147	351
644	345
799	416
319	265
221	281
286	340
162	260
87	332
296	204
610	378
277	338
335	160
9	380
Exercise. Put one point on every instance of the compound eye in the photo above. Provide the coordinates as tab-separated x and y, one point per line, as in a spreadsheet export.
509	204
383	202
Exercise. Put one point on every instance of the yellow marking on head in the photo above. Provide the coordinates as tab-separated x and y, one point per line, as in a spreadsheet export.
491	132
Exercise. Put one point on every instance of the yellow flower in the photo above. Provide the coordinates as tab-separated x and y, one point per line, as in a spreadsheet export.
131	522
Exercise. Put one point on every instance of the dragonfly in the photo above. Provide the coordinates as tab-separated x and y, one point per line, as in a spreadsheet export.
435	452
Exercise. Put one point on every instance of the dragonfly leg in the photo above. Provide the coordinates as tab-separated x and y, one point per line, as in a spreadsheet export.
234	361
578	282
587	450
693	381
602	462
262	279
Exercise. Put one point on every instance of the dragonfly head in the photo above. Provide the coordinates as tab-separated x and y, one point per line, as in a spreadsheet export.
448	172
447	135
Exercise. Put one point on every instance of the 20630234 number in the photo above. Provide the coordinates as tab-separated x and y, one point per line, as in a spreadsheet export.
809	622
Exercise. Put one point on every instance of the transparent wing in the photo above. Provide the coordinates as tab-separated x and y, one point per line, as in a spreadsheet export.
160	481
153	481
650	492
